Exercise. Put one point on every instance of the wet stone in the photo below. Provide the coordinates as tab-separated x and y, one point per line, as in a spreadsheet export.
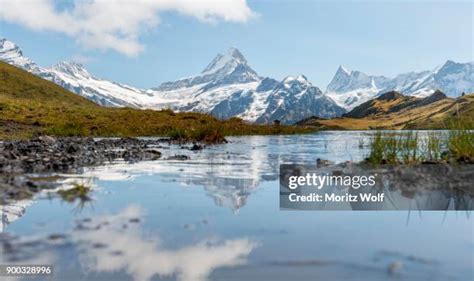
178	157
47	154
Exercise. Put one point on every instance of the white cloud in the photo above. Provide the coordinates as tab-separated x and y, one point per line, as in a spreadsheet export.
116	24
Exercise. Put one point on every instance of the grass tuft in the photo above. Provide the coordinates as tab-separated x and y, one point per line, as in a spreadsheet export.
409	148
461	141
79	192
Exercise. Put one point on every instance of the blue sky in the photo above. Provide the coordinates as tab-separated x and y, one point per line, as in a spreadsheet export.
278	38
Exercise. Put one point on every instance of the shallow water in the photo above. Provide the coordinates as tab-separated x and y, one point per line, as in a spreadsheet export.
217	217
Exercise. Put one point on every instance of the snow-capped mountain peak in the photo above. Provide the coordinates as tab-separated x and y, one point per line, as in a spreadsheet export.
230	59
288	79
295	84
302	79
295	97
12	54
9	47
227	69
346	80
236	54
231	68
72	68
342	70
451	67
351	88
452	78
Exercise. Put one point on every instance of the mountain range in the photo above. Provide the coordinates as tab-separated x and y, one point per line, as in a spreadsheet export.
352	88
229	87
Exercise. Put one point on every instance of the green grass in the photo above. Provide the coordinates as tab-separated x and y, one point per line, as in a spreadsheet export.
461	140
31	106
393	148
433	147
79	192
409	148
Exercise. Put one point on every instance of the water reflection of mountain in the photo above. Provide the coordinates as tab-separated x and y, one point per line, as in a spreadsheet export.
227	189
12	211
228	173
231	172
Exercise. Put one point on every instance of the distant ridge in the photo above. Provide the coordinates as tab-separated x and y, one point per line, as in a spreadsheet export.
392	110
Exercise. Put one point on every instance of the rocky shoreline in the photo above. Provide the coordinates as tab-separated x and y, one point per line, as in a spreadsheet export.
48	155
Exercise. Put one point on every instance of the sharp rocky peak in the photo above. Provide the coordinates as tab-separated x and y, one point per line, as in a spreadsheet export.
10	49
224	69
12	54
343	70
232	56
450	66
6	45
236	54
71	68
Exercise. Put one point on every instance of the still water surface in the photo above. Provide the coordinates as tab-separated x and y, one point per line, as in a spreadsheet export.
216	217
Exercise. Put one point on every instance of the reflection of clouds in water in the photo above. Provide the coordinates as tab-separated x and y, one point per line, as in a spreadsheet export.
26	250
114	243
37	259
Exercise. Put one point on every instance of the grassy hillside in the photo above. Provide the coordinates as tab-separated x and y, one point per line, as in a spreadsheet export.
31	106
395	111
392	102
460	111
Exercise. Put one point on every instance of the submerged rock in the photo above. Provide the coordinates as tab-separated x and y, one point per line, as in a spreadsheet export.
178	157
196	147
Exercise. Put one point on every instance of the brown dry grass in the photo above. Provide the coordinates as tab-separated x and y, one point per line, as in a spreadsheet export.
436	115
